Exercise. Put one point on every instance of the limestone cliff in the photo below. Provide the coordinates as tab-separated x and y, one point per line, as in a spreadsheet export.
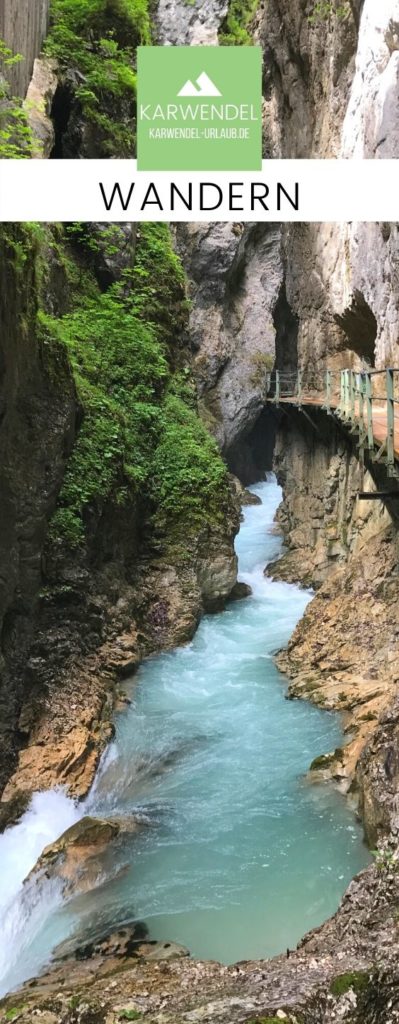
23	26
311	291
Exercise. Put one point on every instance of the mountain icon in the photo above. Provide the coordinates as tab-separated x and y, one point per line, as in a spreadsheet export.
204	87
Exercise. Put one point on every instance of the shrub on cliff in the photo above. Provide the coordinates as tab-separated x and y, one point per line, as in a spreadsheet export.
140	436
94	43
15	134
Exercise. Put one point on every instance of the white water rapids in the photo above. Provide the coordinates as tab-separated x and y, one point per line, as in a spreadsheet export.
241	855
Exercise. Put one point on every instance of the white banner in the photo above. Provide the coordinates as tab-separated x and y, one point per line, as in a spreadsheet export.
285	190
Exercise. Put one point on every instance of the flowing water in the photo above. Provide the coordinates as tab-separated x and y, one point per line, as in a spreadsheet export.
240	854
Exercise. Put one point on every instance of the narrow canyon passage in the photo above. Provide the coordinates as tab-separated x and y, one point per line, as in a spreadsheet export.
239	855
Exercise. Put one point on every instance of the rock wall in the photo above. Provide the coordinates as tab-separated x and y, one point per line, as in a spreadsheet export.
309	293
332	90
235	274
73	621
344	654
23	27
37	424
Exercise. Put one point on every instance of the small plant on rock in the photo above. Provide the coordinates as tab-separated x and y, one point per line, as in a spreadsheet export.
15	134
386	859
324	9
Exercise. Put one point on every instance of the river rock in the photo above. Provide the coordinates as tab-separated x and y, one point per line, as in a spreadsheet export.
248	498
74	856
239	591
121	943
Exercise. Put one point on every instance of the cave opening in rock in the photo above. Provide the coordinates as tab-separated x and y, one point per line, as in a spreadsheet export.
360	327
251	455
60	114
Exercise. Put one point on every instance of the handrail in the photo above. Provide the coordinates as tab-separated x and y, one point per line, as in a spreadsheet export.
351	396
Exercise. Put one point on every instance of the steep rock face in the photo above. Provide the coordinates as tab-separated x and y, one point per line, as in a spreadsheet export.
309	63
235	274
23	27
37	424
75	619
315	292
348	548
331	89
322	519
195	24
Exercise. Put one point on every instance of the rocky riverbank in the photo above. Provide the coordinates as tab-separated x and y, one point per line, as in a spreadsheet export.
344	654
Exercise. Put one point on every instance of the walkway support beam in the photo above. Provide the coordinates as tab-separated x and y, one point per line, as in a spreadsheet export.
390	420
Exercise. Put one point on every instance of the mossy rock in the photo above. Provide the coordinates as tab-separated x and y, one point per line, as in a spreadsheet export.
355	980
325	761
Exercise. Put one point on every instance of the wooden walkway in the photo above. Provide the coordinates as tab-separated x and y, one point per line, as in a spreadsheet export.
379	417
349	395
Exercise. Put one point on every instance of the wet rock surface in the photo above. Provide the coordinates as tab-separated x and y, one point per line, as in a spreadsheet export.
344	971
76	856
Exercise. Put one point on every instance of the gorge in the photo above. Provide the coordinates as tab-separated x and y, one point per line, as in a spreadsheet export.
190	751
131	358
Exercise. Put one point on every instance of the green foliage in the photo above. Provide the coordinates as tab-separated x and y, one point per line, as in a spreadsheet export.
157	281
120	372
14	1012
189	480
274	1020
15	134
130	1015
235	29
325	9
356	980
98	38
386	859
74	1002
140	435
23	242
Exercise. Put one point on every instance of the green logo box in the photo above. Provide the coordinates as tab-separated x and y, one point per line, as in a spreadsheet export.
199	108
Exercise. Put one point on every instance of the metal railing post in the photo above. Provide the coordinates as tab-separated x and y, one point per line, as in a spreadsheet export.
268	376
346	402
390	419
277	393
361	402
299	386
369	410
328	391
342	398
351	396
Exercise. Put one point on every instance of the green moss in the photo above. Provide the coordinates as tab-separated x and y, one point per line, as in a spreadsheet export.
130	1015
235	29
326	760
98	38
14	1012
356	980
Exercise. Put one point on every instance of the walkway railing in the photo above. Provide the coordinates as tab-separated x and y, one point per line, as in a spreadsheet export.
366	401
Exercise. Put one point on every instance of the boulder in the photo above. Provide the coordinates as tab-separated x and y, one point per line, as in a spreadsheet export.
239	591
123	944
74	857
